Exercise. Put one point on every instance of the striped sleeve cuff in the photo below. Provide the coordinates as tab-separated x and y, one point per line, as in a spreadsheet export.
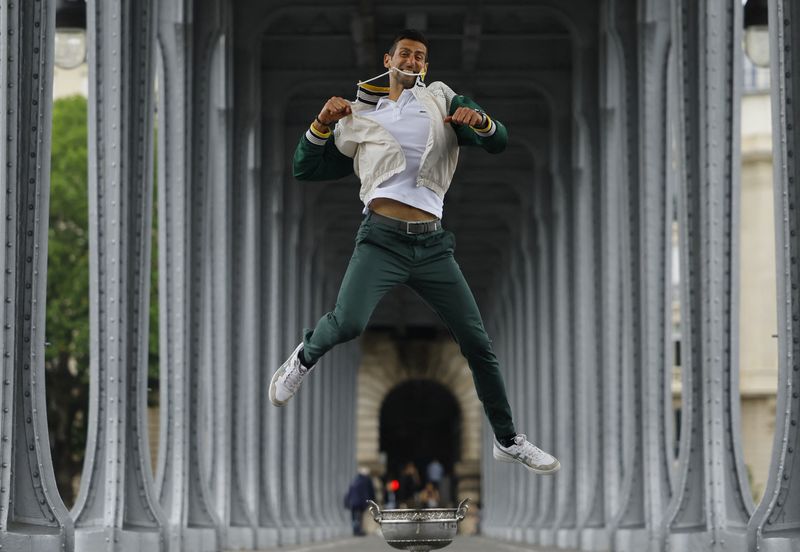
487	130
316	137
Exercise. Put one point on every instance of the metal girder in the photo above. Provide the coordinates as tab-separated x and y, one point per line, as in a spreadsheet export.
774	524
117	484
185	59
612	288
708	50
545	316
589	480
32	516
629	521
654	236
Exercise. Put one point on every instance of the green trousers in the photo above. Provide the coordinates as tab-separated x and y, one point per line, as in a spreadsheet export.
385	257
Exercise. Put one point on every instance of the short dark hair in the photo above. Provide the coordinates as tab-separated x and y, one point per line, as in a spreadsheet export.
410	34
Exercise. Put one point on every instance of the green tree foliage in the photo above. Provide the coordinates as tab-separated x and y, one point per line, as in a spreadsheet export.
67	325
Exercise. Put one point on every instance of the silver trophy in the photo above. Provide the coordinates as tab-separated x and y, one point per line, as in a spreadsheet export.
419	530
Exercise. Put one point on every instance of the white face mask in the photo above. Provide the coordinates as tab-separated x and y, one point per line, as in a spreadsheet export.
420	76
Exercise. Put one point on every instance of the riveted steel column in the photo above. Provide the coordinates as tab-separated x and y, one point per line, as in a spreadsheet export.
588	385
343	451
332	493
246	327
256	367
32	516
517	384
612	177
654	231
117	484
545	355
504	336
708	47
491	481
288	309
183	232
630	521
316	389
231	379
346	445
301	414
564	375
274	352
529	344
775	523
326	373
686	512
304	435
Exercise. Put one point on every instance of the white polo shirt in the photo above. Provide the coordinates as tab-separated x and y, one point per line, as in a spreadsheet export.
407	120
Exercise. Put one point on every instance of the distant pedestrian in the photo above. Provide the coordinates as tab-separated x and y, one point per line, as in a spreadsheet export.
361	490
409	485
429	496
435	472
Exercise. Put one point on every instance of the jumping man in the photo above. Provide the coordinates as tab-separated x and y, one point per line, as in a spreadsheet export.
402	143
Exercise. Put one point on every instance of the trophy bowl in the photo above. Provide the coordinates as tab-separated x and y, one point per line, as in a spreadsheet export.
419	530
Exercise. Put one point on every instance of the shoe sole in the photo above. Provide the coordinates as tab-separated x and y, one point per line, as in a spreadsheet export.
509	459
273	387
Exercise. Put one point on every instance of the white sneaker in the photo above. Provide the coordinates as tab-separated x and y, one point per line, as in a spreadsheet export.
522	451
287	379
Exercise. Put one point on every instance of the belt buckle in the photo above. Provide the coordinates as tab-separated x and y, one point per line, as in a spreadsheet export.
408	228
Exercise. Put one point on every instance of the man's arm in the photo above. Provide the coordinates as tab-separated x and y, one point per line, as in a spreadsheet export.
492	136
316	156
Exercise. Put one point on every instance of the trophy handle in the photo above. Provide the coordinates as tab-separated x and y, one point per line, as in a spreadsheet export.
461	512
375	510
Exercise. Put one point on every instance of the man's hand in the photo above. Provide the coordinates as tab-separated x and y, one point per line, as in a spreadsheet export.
464	116
334	109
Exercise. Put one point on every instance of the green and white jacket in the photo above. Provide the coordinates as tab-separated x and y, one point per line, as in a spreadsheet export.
364	147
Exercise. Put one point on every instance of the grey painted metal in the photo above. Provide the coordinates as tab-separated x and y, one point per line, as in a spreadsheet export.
687	509
588	385
229	380
254	365
274	352
290	335
531	366
612	174
317	390
654	231
564	377
545	328
774	524
521	402
32	515
186	45
117	490
307	420
708	47
630	520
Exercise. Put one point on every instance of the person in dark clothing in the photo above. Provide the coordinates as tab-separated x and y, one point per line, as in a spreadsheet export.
361	489
409	485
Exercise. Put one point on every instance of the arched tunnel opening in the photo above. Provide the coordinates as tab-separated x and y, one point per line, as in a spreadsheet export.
420	421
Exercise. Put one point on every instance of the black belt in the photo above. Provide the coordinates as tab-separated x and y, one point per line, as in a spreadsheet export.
406	226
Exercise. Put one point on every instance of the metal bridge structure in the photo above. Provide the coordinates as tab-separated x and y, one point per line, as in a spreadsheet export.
623	117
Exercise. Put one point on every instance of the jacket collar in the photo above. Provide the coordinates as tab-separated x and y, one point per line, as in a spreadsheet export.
370	94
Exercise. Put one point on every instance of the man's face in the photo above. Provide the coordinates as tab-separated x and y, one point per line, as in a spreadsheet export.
409	55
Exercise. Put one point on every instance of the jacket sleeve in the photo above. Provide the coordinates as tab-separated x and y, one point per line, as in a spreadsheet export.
493	138
317	158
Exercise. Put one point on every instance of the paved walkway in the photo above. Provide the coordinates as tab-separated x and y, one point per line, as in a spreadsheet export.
377	544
